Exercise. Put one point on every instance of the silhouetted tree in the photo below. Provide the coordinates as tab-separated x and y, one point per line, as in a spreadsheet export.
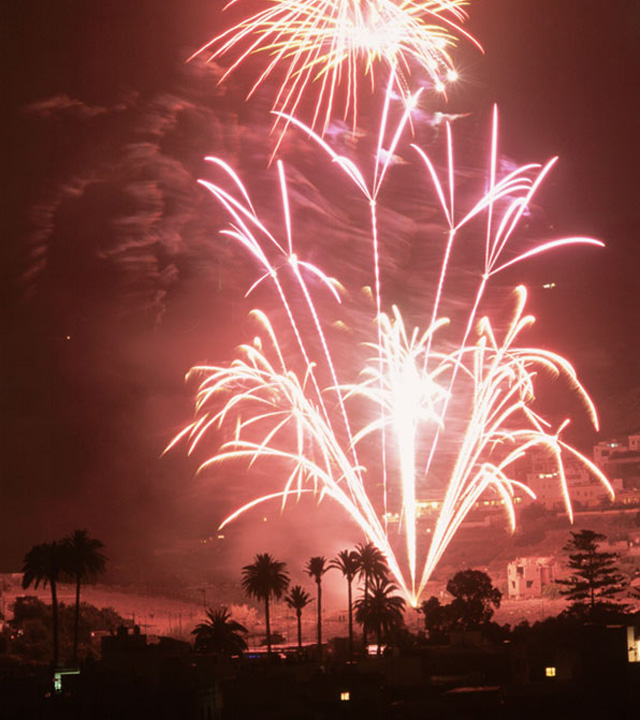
85	560
45	564
437	617
220	634
316	567
297	600
474	598
348	563
264	579
595	579
380	610
371	566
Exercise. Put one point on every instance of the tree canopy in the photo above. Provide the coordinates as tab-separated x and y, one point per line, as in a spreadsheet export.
298	599
475	597
45	564
84	561
595	579
265	579
380	611
219	633
474	602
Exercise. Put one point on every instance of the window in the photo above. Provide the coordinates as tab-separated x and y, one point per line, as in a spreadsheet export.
550	671
529	583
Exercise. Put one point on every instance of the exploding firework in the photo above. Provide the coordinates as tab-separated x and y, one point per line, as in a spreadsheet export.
330	45
462	384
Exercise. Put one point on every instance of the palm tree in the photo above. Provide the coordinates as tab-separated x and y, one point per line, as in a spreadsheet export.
264	579
297	600
220	634
380	611
316	567
86	560
348	563
45	563
372	566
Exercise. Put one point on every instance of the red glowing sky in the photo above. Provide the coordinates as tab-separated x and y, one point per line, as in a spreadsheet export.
86	418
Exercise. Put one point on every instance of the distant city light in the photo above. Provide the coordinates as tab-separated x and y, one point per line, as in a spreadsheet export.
345	696
550	672
59	674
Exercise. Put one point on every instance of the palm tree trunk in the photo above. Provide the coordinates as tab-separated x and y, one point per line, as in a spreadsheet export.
379	633
350	619
268	624
366	605
319	620
76	621
299	614
54	622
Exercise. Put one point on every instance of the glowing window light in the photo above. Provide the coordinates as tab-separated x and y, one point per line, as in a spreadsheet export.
345	696
59	674
550	672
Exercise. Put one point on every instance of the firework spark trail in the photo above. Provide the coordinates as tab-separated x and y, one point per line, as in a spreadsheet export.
408	383
503	387
516	189
277	398
385	151
407	397
329	42
246	229
519	189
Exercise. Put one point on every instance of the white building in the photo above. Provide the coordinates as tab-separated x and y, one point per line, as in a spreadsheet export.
527	577
584	488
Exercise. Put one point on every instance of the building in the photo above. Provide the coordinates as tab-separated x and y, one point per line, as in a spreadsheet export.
620	458
527	577
605	448
585	490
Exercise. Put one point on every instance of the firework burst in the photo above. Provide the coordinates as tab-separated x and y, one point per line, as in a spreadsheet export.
324	48
417	394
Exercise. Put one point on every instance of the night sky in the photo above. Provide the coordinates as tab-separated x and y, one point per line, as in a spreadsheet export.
115	281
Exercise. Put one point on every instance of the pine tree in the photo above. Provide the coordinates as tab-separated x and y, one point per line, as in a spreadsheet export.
595	579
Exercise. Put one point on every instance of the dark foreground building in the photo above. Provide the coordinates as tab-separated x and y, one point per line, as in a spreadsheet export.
595	671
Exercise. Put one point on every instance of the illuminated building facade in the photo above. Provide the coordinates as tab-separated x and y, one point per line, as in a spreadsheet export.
527	577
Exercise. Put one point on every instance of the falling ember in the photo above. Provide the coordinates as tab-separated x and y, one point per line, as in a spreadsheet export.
420	392
324	47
